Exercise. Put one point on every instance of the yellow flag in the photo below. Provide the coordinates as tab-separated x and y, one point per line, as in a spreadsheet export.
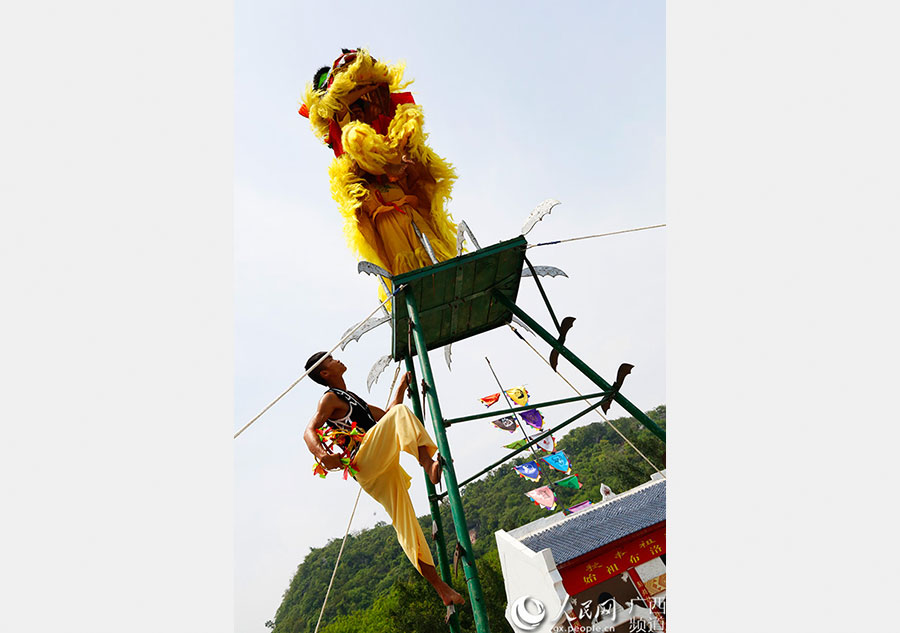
519	395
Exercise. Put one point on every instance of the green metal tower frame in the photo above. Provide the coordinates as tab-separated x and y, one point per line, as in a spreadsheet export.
451	301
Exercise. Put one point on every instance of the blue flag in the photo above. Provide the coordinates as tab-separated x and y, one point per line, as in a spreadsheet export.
529	471
559	461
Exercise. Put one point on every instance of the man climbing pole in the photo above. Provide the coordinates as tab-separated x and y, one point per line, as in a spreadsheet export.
371	440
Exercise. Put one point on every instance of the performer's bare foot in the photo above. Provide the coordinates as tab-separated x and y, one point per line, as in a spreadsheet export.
433	467
447	594
434	470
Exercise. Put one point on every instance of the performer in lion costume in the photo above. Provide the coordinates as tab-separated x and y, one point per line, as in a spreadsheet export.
384	176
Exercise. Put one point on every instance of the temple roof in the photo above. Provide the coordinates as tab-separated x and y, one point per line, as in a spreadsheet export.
569	537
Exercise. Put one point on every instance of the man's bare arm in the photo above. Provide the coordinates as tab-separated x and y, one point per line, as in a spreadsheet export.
398	397
325	411
376	412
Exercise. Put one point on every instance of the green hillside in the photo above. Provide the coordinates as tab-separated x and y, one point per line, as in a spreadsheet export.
376	589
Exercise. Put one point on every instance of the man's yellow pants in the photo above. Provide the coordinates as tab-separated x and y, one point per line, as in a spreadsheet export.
381	476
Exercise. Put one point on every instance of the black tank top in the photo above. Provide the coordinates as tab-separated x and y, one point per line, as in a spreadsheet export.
359	412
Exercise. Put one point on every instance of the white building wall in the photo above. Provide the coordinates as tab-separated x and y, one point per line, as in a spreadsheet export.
532	575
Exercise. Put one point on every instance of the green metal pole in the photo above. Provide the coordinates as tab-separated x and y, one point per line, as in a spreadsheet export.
476	596
443	561
581	365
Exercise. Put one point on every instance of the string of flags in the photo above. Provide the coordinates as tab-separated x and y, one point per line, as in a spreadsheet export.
547	444
519	395
543	496
532	471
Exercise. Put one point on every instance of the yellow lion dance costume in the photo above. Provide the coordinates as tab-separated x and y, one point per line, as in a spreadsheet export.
384	177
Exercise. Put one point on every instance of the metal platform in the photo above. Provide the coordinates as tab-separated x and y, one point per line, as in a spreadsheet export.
457	298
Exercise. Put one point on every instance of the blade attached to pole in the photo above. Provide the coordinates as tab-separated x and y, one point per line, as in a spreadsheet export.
624	370
539	212
376	371
423	239
564	328
367	325
461	232
544	271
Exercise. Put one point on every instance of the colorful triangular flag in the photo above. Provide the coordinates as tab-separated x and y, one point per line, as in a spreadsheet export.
529	471
559	461
547	444
584	505
519	395
533	417
543	497
516	444
491	399
507	424
570	482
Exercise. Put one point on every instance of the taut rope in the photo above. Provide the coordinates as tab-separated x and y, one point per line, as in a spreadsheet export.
307	372
587	237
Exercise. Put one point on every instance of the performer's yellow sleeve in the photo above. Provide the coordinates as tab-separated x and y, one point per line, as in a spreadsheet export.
373	151
406	127
368	148
381	476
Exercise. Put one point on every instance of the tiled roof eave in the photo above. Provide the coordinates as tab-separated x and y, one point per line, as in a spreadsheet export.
609	521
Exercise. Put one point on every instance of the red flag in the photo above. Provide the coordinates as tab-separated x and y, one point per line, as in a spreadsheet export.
491	399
